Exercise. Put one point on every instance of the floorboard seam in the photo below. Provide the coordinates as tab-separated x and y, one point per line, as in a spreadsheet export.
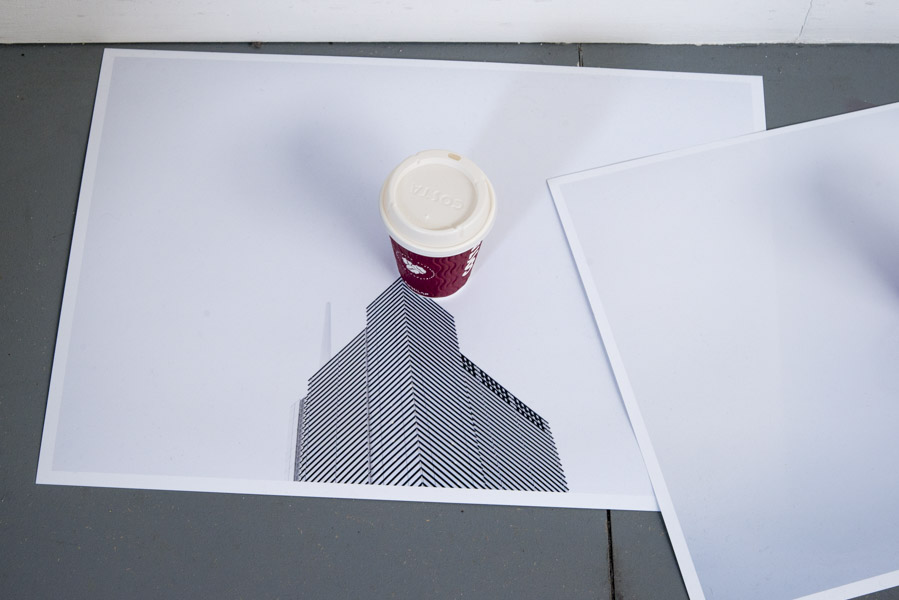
611	557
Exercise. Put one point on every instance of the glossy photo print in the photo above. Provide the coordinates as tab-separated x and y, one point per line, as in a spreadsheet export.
228	246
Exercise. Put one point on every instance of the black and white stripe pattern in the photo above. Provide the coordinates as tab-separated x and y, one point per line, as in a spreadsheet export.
421	431
333	428
400	405
519	451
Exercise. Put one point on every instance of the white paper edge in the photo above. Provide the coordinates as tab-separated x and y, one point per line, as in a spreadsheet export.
73	274
659	487
755	80
663	497
858	588
555	183
265	487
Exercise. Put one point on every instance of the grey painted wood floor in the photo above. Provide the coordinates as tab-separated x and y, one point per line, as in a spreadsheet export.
67	542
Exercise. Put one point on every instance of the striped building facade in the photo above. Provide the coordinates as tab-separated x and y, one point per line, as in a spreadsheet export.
400	405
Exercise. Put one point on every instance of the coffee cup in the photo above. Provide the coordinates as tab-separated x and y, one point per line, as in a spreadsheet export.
438	206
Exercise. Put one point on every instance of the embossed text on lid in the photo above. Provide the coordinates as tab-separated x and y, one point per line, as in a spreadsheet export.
437	203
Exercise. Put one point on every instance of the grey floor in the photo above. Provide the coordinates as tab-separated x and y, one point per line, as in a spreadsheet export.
67	542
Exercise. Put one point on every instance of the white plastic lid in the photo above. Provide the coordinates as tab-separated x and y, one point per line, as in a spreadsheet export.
437	203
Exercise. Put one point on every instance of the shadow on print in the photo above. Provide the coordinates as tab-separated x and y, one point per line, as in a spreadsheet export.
400	405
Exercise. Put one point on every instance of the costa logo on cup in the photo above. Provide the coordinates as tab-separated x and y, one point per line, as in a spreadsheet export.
418	271
433	276
438	206
413	268
471	258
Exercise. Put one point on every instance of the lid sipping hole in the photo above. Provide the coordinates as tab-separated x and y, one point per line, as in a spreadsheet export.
454	156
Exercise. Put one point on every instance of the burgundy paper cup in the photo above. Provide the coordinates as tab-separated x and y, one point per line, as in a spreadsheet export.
438	206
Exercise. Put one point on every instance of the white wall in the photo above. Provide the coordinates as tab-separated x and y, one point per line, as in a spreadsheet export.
639	21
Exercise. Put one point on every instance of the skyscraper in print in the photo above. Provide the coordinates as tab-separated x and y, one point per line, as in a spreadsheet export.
401	405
